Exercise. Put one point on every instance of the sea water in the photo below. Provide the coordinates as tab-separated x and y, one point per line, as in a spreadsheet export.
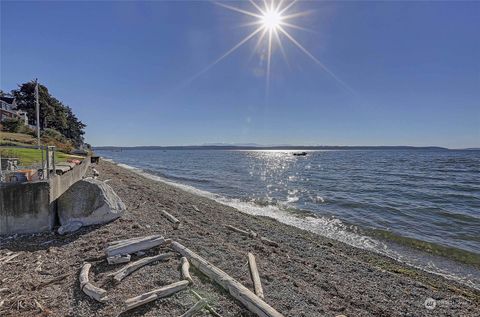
417	206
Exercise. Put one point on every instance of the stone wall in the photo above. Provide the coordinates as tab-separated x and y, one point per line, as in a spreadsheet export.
31	207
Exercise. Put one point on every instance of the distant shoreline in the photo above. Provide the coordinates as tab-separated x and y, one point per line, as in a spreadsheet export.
289	148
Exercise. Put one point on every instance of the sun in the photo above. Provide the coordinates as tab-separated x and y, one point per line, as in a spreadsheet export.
271	20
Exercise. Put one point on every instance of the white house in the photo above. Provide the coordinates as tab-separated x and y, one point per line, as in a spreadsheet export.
8	110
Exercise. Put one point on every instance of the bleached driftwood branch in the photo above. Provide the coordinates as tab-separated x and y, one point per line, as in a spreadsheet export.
172	219
254	303
253	234
134	245
257	285
132	267
186	269
155	294
88	288
8	257
208	307
195	308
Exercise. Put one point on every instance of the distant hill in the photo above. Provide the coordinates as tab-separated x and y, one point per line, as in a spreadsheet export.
260	147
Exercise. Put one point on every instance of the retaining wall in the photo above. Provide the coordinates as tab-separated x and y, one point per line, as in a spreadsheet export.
25	208
31	207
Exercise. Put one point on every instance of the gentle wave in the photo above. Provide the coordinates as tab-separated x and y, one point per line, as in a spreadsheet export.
333	228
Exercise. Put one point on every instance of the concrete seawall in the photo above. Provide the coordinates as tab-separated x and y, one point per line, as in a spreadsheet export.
60	184
31	207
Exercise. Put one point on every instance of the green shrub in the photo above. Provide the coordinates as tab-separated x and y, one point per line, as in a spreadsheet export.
12	125
52	134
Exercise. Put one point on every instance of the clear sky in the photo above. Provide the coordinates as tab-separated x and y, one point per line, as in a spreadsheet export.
412	68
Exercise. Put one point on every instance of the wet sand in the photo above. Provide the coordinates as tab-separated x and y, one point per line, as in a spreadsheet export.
307	275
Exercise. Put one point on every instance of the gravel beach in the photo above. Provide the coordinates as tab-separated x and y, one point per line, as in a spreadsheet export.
307	275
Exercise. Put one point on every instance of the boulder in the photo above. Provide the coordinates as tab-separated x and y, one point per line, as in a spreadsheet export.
89	202
69	227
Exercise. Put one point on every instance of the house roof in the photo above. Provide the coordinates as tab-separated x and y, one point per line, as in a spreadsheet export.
8	100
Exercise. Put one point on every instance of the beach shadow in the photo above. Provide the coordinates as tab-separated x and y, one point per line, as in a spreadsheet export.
43	241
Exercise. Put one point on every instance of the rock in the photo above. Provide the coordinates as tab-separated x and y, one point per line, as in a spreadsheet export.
69	227
90	202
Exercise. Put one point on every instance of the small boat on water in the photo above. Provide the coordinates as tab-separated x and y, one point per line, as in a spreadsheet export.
300	153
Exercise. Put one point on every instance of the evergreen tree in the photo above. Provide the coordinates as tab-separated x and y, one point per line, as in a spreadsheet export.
53	113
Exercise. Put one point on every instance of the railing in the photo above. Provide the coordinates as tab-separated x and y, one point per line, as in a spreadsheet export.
14	167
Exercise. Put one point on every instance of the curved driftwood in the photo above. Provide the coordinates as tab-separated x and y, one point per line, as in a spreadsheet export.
253	303
172	219
135	245
88	288
132	267
257	285
83	278
155	294
207	307
195	308
186	269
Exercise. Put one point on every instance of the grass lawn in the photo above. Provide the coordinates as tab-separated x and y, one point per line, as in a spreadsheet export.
29	157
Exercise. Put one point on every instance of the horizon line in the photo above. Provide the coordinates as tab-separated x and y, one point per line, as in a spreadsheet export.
284	146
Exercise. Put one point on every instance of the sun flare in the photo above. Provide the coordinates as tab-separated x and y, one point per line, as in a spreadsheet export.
273	21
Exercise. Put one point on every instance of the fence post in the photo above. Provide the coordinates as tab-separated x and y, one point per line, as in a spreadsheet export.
53	161
48	161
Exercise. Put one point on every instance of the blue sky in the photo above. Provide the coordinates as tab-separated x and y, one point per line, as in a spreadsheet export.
123	67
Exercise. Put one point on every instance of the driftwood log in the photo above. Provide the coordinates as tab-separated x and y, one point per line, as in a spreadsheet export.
185	269
257	285
133	239
88	288
165	291
132	267
269	242
253	234
135	245
172	219
207	307
249	233
195	308
253	303
118	259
